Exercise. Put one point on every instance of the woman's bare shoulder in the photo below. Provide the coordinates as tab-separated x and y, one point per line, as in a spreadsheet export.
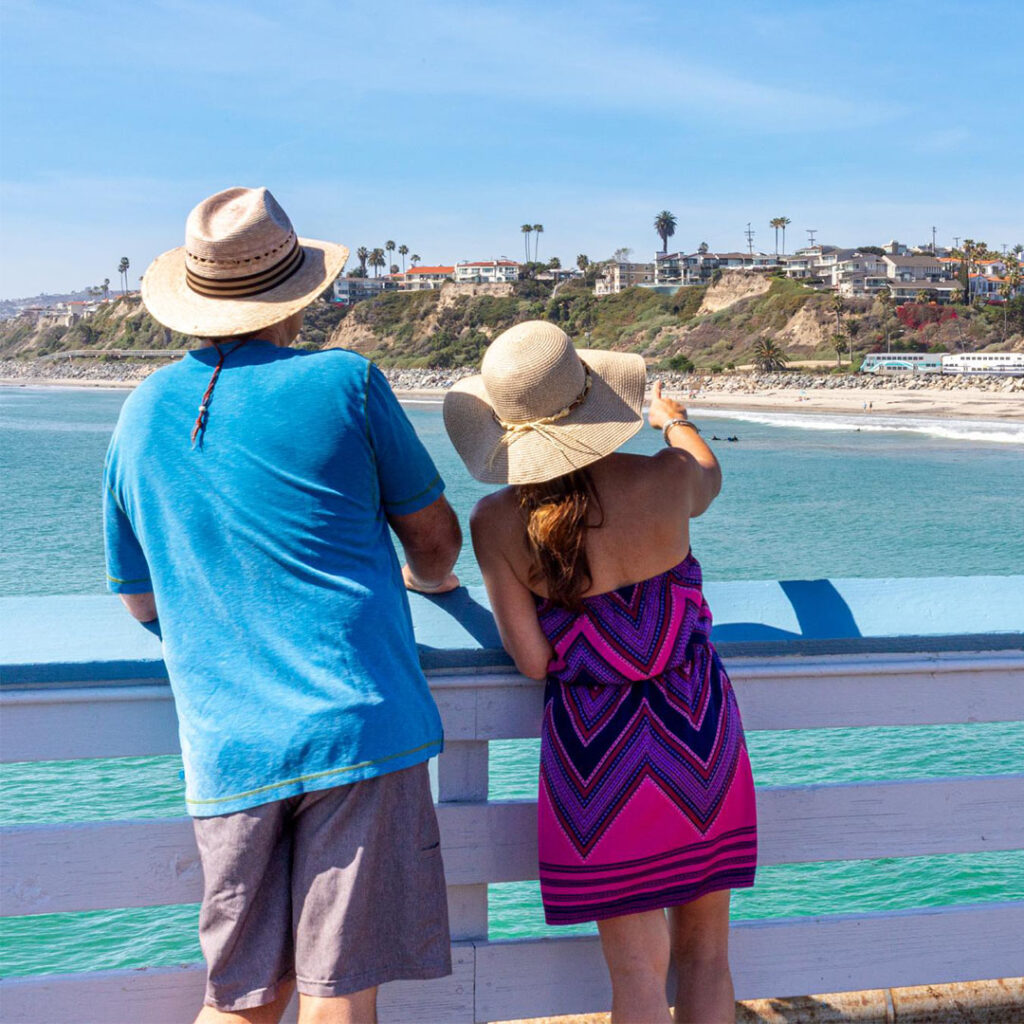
498	504
642	471
496	514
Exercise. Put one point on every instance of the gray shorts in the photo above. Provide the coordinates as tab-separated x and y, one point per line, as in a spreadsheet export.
342	889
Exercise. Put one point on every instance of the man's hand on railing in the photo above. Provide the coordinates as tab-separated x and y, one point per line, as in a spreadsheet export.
449	583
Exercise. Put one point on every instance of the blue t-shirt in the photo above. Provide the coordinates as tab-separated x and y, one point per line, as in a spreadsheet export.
286	629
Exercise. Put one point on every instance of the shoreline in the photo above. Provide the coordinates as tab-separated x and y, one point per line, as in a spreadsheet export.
942	405
962	402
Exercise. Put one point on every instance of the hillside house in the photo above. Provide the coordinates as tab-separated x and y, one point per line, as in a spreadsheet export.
941	292
420	279
914	268
349	290
617	276
486	272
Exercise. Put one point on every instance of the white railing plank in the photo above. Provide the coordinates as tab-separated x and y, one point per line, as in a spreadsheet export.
462	779
99	865
879	690
548	977
533	977
171	995
905	818
118	720
68	723
96	865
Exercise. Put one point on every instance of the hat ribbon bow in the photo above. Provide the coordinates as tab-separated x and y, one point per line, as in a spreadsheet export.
513	429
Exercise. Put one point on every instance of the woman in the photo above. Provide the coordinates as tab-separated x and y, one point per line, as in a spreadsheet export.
646	800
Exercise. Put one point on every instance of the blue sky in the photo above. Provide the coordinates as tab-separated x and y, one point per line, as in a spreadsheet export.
447	125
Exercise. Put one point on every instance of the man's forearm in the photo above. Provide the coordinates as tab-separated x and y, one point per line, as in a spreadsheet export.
431	566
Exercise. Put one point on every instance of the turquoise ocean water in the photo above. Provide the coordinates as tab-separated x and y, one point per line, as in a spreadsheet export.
805	496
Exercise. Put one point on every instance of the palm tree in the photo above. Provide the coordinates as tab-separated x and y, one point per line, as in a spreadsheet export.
665	225
362	254
885	300
122	269
106	288
582	261
414	259
971	252
527	229
1011	282
769	355
554	263
403	251
390	246
783	221
777	222
839	341
838	307
538	230
703	248
377	260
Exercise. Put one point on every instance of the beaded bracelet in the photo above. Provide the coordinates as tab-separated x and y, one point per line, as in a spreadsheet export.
679	421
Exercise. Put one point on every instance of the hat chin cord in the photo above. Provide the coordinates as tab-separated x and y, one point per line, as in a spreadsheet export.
199	427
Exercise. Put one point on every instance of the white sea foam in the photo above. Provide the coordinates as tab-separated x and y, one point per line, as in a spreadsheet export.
992	431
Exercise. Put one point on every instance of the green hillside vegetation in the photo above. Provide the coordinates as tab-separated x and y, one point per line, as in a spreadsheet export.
413	329
419	329
119	326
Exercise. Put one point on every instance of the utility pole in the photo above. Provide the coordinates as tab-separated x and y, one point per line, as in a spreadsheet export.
956	241
933	239
811	232
750	239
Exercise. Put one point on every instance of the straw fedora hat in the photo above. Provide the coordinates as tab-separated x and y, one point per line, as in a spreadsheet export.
242	268
539	408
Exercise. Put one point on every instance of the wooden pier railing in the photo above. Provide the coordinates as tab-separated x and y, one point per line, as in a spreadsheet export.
66	709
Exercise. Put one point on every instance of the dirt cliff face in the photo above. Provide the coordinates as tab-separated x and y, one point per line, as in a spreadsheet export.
361	337
450	291
349	334
733	286
118	325
808	329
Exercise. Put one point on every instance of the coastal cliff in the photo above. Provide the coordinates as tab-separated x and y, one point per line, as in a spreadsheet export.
710	327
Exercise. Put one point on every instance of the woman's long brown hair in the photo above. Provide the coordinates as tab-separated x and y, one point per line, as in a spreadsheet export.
558	514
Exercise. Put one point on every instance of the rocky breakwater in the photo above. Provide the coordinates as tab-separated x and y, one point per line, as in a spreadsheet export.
122	372
126	372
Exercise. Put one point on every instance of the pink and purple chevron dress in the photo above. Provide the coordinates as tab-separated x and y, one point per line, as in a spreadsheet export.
646	797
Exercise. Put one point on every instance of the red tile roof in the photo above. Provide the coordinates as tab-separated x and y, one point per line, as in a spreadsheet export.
431	270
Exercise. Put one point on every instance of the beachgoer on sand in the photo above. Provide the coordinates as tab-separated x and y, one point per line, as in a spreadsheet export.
249	491
646	799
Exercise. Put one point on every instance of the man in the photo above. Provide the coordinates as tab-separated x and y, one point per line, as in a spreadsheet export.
249	491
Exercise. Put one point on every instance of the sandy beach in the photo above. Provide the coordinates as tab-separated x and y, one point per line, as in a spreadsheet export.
960	404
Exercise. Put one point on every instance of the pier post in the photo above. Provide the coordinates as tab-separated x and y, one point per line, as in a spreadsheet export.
463	776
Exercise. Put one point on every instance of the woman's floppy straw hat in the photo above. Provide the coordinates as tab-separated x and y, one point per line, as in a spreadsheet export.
539	408
242	268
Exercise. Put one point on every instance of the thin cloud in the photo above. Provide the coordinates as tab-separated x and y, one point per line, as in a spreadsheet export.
561	62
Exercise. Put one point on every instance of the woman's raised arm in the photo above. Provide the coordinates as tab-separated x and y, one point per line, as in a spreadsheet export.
688	450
